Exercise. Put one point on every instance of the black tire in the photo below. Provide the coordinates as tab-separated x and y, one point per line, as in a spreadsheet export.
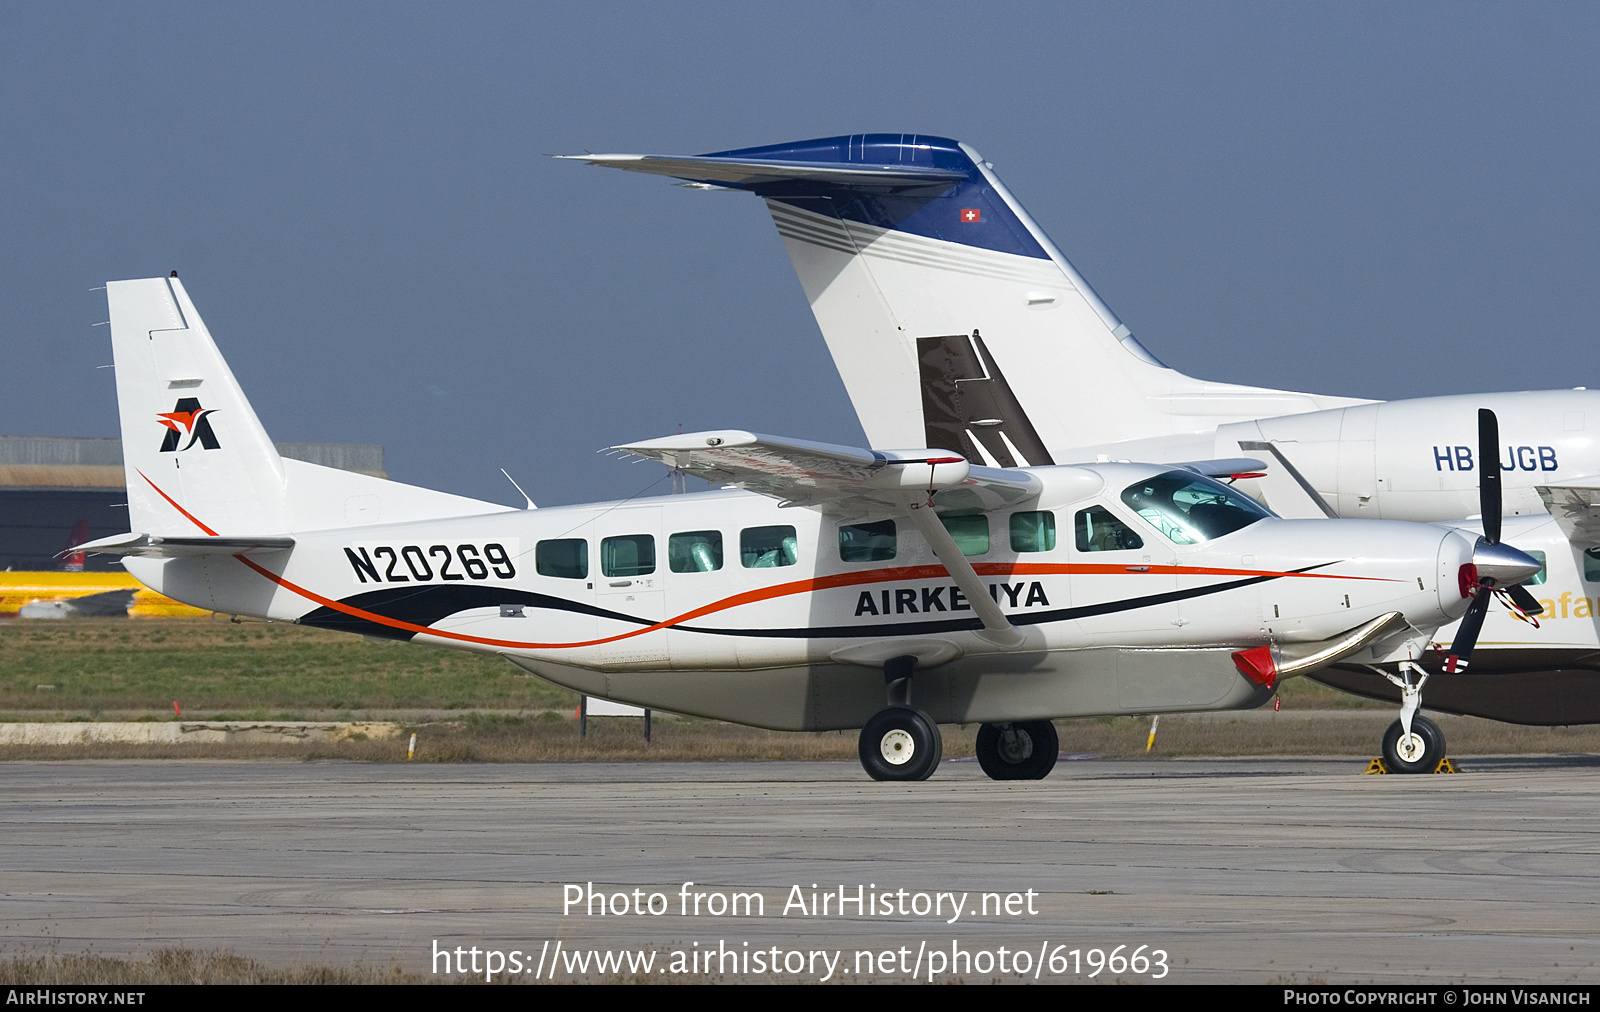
900	743
1022	750
1432	740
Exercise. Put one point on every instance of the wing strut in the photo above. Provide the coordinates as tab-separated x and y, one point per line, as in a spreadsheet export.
996	627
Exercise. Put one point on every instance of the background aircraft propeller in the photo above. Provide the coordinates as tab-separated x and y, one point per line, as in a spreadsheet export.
1495	566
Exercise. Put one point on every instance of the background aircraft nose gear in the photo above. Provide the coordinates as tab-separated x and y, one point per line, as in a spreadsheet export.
1418	751
1020	750
1414	744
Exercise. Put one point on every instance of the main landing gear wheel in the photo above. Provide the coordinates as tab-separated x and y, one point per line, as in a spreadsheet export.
900	743
1021	750
1418	752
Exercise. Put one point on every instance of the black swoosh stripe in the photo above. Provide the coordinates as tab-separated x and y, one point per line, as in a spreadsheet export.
427	605
972	624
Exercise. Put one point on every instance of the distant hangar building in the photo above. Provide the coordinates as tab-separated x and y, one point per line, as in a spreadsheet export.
52	485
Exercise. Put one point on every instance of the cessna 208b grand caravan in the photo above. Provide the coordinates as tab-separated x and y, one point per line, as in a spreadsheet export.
955	321
833	588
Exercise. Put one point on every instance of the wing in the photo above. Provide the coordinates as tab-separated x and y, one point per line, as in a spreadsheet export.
841	480
1225	467
1576	507
860	484
163	547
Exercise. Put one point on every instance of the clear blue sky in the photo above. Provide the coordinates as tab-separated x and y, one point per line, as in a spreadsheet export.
1383	200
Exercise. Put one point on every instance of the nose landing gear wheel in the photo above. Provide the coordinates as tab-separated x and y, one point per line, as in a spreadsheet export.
1021	750
1418	752
900	743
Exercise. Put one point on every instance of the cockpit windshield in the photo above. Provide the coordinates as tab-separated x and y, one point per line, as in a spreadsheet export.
1188	508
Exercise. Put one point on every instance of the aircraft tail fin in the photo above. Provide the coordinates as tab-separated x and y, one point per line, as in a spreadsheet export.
951	316
197	459
194	452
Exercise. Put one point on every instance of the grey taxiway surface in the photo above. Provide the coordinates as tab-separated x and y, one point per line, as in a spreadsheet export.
1241	870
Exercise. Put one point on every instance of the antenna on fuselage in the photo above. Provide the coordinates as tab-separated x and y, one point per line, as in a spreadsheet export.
514	485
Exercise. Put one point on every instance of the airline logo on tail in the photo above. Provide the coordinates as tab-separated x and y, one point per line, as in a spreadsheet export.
187	418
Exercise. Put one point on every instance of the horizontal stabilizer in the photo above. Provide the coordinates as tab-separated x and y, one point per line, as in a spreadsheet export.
1576	508
164	547
748	173
840	479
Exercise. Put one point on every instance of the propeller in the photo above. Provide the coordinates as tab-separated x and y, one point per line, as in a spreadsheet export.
1495	567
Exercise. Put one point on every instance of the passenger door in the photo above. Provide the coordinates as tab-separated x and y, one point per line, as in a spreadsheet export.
629	582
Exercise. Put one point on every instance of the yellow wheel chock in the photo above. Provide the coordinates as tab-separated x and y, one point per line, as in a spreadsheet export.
1445	766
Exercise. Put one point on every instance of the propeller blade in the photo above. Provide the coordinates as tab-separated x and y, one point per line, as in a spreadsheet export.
1467	635
1526	601
1489	474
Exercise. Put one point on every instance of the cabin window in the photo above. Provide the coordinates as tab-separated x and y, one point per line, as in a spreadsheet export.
695	552
768	547
1538	578
628	555
567	558
969	530
1188	509
1591	565
867	542
1033	532
1098	530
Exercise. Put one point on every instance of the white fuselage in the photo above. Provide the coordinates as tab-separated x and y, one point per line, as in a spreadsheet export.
1406	460
774	627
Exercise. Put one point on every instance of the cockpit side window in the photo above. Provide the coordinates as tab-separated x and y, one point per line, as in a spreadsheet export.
1098	530
1189	509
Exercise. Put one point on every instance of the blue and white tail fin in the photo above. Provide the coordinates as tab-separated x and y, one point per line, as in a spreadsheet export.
952	318
197	459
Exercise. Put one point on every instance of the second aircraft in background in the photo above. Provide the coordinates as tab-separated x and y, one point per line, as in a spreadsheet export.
955	321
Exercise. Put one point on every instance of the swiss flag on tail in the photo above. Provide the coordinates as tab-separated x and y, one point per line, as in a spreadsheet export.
971	214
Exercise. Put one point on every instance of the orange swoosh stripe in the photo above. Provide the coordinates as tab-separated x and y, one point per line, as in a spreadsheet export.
806	586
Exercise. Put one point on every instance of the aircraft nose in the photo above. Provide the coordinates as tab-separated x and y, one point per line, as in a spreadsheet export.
1503	564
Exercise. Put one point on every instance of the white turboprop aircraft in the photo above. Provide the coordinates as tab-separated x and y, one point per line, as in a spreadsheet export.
836	588
955	321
